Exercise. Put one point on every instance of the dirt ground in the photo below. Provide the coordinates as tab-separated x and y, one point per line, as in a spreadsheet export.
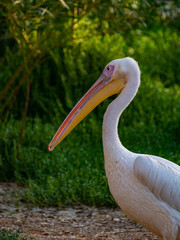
79	223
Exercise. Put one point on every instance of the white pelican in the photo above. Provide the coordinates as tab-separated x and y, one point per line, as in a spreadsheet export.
147	188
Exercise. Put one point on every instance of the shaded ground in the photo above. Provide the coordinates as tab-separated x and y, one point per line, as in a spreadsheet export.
80	223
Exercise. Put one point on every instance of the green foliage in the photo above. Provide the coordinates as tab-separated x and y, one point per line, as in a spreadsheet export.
74	172
37	35
14	234
51	53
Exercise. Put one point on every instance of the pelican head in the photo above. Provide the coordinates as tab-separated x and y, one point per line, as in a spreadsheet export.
112	80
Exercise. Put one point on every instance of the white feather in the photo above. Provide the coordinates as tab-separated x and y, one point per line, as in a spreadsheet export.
161	179
146	187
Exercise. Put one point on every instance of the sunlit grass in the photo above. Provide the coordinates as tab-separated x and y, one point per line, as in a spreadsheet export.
13	234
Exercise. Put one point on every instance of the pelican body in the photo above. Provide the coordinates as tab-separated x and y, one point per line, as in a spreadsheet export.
147	188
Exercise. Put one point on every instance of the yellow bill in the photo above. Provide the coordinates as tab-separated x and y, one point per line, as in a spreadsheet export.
104	87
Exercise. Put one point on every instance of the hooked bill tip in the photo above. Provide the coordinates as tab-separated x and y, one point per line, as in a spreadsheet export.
50	148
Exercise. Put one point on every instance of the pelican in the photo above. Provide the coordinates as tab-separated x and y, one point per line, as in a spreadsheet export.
146	187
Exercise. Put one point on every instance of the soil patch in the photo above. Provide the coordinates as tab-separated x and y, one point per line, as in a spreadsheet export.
79	223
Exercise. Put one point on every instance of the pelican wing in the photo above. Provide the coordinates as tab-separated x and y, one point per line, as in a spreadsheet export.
160	178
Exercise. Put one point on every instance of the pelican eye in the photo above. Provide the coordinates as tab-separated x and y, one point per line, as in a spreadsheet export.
108	68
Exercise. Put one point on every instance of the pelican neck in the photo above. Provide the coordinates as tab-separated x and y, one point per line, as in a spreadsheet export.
114	111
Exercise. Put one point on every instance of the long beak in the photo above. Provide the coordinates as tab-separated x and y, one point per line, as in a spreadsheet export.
102	89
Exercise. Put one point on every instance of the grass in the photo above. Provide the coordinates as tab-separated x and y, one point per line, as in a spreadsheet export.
74	172
13	234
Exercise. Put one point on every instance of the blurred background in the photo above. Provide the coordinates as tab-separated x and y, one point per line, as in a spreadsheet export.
51	52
